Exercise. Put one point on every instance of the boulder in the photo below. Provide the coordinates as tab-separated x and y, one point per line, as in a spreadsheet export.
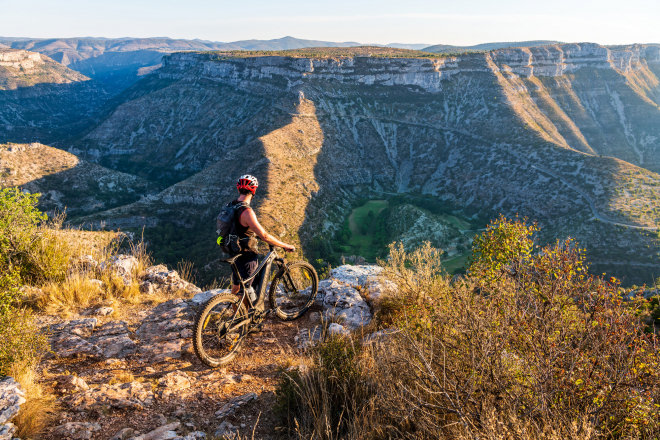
335	329
345	304
77	430
167	281
123	265
354	275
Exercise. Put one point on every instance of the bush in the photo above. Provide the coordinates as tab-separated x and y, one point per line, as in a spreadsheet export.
527	345
28	245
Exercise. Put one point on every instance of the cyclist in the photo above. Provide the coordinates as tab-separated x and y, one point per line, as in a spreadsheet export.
247	226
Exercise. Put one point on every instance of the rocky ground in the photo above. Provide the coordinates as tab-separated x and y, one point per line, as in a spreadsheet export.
138	377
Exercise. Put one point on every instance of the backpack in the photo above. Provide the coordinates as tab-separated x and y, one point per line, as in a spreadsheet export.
228	239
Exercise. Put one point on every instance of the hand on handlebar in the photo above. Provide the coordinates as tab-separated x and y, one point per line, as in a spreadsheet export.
289	248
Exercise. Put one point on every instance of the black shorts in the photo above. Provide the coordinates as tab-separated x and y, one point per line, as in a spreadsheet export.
247	265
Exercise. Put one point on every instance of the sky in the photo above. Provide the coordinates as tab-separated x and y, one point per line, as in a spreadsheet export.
454	22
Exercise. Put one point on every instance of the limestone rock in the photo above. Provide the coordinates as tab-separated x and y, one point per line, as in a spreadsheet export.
115	346
203	297
344	303
195	435
70	345
124	434
123	265
231	407
71	384
77	430
11	399
226	430
169	281
165	432
79	327
112	328
354	275
132	395
335	329
174	383
7	431
161	351
103	311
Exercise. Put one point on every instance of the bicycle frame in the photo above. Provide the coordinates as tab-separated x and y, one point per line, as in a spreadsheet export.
265	266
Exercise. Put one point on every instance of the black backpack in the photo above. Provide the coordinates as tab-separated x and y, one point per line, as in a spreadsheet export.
228	238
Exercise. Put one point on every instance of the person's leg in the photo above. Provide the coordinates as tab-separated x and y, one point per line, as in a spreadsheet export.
247	264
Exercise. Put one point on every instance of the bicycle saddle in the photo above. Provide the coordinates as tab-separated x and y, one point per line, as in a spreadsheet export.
232	260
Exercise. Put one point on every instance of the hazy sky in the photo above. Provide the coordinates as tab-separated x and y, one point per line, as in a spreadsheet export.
385	21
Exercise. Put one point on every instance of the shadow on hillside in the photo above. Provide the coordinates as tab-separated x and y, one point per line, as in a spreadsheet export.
51	114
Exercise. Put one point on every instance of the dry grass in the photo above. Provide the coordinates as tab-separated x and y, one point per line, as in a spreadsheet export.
123	377
40	409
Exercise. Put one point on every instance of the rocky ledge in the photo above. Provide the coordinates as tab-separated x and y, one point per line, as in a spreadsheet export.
157	342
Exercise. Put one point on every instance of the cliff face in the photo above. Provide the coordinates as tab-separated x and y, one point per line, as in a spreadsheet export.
516	131
20	68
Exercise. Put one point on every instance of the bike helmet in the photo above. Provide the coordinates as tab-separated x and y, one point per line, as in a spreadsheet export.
248	182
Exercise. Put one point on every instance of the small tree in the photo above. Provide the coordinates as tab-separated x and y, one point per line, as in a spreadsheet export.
505	243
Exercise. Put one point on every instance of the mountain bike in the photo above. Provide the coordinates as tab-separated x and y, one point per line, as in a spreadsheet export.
226	319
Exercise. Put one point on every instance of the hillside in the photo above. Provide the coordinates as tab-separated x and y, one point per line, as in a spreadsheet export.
447	48
66	182
577	151
43	100
20	68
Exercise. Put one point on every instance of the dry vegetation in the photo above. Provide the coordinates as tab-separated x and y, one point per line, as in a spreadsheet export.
52	269
526	346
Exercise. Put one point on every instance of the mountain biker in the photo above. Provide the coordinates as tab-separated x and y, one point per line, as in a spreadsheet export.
247	226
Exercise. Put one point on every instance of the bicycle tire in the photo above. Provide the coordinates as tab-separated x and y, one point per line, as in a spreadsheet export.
215	345
291	302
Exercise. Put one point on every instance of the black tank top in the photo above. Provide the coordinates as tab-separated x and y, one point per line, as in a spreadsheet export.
246	237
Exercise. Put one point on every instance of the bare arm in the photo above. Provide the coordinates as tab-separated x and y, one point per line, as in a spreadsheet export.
249	219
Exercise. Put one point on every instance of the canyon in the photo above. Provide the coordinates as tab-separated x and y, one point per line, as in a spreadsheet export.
564	134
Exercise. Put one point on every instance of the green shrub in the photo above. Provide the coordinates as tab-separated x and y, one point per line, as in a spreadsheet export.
22	342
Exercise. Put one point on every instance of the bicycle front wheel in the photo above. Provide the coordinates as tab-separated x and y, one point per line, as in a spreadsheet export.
293	290
219	330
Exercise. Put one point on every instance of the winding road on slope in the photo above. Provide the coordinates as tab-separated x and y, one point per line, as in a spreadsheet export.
592	205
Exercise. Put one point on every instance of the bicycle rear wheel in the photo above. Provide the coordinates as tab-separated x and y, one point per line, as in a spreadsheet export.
293	290
219	330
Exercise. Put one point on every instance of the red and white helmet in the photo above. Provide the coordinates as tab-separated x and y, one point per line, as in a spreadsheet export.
248	182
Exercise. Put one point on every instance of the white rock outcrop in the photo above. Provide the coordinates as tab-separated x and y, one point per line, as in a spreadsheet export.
12	397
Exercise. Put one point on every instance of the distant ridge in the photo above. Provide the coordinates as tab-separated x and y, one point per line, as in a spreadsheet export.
443	48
